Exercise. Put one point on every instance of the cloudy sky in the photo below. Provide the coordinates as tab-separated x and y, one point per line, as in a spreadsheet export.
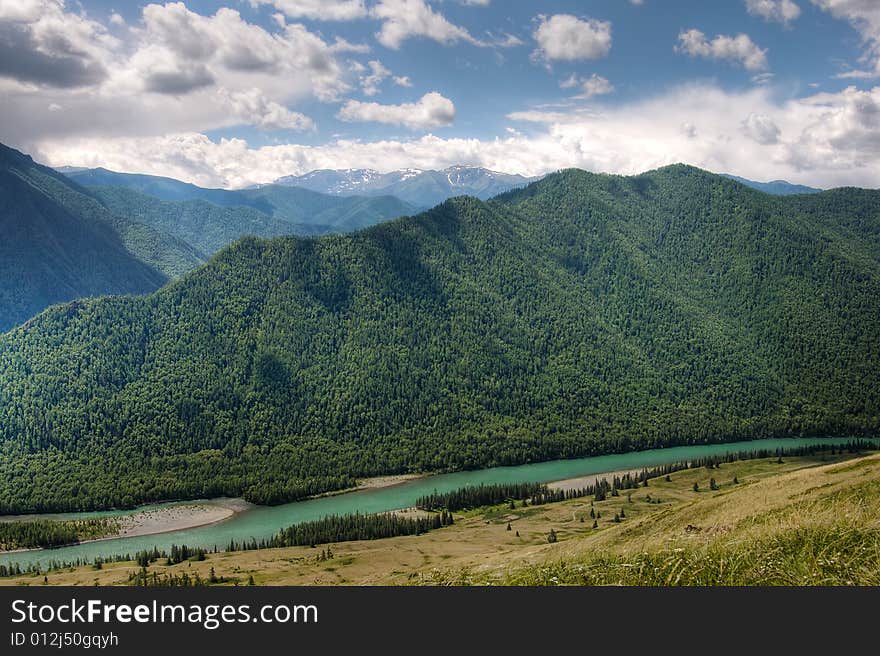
244	91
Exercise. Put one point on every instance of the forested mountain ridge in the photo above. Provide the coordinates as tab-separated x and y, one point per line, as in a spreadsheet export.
583	314
58	243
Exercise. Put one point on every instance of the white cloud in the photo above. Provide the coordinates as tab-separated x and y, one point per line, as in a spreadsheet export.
780	11
431	111
824	140
761	128
227	43
402	81
595	85
864	15
253	108
404	19
378	73
739	49
566	37
326	10
43	45
178	71
116	19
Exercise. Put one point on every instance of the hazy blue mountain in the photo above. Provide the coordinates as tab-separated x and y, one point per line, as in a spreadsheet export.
160	187
421	188
776	187
209	219
58	243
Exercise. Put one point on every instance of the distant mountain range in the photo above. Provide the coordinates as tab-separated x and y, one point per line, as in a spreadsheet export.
210	219
776	187
420	188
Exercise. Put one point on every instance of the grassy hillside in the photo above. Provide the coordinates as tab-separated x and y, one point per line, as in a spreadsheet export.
808	527
584	314
805	521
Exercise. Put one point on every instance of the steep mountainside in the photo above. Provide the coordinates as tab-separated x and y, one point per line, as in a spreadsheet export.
583	314
59	244
420	188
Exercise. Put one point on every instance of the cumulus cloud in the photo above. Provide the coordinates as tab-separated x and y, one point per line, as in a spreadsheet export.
568	38
405	19
824	140
326	10
780	11
42	44
226	42
739	49
253	108
177	71
431	111
761	128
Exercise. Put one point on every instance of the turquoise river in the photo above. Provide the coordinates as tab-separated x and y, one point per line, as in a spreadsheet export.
262	522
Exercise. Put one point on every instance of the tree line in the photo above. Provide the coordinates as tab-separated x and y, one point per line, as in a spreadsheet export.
43	533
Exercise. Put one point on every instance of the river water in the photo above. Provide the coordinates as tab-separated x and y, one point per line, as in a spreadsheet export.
262	522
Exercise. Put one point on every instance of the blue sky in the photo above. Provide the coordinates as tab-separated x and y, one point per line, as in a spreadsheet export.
237	92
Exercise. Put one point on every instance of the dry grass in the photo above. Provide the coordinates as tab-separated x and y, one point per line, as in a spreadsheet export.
805	521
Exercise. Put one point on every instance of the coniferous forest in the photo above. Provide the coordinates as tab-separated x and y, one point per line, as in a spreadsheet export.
582	315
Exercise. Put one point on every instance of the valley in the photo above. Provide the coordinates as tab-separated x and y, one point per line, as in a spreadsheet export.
584	314
809	520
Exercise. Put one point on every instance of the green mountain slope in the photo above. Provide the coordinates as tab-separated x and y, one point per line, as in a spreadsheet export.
583	314
58	243
204	225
